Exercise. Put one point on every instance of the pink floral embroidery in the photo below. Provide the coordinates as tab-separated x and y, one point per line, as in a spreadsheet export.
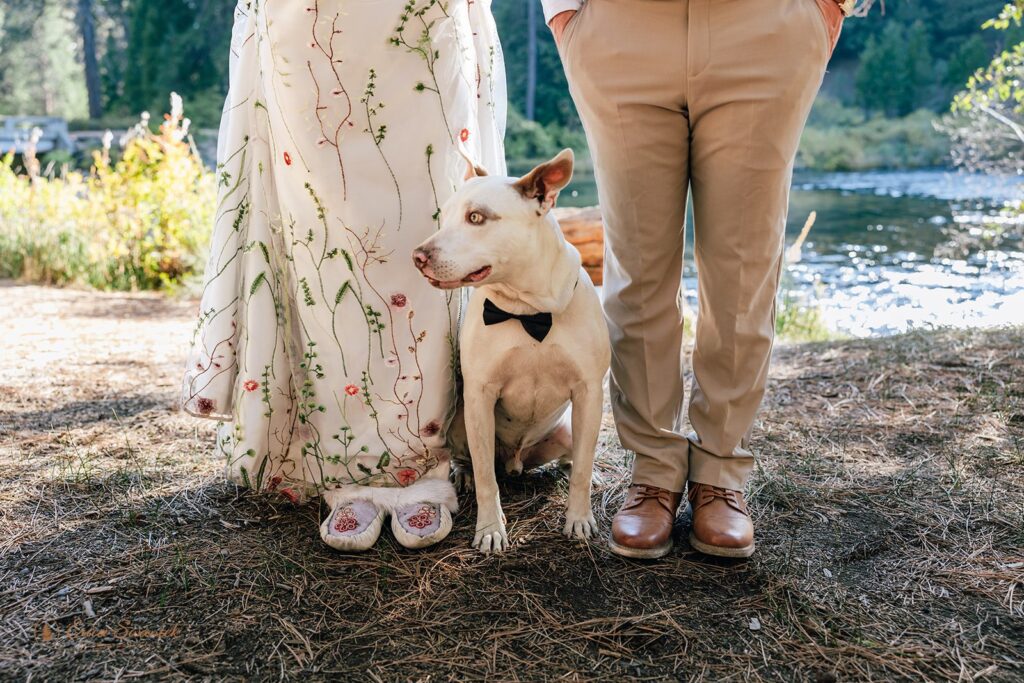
290	495
351	390
251	385
423	518
431	428
205	405
399	300
345	520
407	476
464	134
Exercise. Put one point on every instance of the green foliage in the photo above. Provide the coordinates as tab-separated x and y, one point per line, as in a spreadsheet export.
839	138
895	70
39	68
988	124
531	141
1011	14
970	56
142	222
553	102
797	320
150	47
175	45
1000	82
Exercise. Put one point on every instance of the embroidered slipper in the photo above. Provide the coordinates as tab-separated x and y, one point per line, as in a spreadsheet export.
421	524
353	525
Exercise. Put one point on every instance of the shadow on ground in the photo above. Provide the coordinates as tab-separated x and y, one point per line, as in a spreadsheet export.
889	505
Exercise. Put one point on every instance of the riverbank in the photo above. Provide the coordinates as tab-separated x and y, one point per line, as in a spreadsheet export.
888	252
888	507
837	138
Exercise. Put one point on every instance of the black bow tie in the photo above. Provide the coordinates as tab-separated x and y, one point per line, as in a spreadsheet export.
537	325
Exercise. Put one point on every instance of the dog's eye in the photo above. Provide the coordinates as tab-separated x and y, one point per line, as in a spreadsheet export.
476	218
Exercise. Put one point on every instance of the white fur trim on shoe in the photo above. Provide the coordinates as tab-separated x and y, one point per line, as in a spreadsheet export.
438	491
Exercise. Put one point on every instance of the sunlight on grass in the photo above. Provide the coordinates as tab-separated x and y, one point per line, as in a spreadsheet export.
141	222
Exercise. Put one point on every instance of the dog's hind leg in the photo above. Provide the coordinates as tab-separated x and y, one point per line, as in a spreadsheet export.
514	463
586	426
555	446
462	477
462	473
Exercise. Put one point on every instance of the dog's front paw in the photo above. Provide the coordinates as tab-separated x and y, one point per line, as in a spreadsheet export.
580	526
491	536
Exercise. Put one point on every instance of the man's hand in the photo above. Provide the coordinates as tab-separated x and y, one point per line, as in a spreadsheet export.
559	22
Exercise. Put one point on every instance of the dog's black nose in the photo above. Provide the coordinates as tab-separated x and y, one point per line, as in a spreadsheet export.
420	257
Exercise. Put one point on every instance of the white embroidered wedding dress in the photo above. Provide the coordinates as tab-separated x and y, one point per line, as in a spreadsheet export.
325	354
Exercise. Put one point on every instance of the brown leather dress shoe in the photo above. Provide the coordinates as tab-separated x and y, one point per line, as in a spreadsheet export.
721	522
642	527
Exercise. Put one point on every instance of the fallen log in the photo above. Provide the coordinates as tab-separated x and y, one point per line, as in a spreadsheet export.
585	231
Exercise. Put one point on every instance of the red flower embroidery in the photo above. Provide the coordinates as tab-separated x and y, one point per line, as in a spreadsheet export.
251	385
399	300
431	428
205	405
287	158
274	482
345	520
290	495
351	390
464	134
423	518
407	476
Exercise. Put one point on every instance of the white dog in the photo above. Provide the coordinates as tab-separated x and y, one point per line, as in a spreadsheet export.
533	341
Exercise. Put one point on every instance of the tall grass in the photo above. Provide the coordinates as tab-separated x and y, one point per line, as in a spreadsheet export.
140	222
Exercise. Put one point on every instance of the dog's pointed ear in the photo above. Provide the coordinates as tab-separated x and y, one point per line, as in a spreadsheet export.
548	179
473	170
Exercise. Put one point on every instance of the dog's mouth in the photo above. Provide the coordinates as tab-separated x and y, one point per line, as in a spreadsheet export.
474	277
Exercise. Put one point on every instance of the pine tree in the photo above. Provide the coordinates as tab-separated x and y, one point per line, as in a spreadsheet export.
917	66
878	80
86	19
895	70
972	54
553	104
181	46
39	68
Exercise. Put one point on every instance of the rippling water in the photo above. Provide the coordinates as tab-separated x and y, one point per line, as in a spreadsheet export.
879	259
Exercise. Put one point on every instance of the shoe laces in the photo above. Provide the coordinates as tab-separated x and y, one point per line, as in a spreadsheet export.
645	492
724	494
708	493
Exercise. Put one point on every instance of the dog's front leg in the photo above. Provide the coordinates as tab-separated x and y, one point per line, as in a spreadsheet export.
586	425
490	521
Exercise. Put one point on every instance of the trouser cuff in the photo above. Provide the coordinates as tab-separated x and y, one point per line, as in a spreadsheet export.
665	473
729	472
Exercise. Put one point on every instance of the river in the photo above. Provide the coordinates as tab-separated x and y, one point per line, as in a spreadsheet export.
881	259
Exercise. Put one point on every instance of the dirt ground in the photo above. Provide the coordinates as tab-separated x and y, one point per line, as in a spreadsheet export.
889	506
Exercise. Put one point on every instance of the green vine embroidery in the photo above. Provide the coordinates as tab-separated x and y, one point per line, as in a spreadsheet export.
378	134
422	45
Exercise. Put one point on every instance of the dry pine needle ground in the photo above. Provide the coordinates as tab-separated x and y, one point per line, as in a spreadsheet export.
889	506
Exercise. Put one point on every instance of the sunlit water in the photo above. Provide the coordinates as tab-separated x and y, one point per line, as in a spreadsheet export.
879	258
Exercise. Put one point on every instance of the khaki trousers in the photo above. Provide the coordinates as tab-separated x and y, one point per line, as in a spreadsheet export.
710	96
